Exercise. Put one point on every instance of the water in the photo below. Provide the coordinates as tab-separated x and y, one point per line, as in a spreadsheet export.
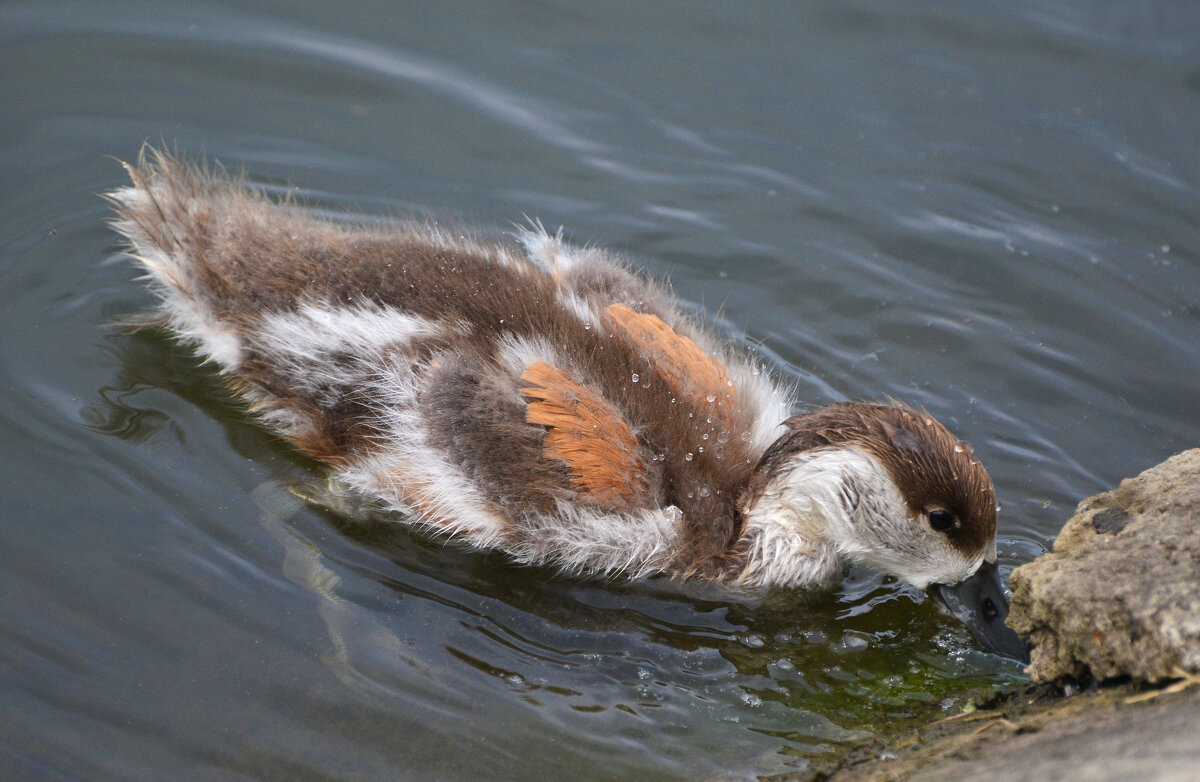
988	209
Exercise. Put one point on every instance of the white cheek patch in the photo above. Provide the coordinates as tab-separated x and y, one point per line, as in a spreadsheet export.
882	533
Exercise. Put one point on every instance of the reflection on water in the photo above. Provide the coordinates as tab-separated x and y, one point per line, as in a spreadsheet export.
990	211
805	669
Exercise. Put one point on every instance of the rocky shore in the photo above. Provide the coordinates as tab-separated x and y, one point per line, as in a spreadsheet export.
1111	734
1113	612
1119	596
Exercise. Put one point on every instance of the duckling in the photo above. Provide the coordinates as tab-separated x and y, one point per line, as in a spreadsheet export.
545	400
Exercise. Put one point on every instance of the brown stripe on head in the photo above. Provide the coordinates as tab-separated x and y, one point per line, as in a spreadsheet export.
932	468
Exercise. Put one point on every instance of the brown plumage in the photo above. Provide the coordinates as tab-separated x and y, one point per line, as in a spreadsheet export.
587	434
688	370
543	399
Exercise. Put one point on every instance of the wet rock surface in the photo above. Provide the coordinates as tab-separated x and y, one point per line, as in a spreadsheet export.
1110	735
1119	595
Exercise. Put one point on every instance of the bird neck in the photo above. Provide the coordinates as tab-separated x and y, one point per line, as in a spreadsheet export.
796	527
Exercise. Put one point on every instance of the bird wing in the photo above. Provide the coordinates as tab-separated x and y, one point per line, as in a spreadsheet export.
585	431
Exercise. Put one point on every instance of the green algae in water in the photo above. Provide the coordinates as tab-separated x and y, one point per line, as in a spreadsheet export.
871	656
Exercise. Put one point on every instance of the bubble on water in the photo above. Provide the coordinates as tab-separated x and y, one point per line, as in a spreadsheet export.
850	644
688	456
636	377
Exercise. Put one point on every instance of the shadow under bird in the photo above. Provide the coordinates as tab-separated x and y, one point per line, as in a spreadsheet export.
544	400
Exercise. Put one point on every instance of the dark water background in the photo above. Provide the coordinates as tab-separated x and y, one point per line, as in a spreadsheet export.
989	209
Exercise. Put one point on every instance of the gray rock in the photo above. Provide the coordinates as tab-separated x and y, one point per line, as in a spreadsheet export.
1098	737
1120	593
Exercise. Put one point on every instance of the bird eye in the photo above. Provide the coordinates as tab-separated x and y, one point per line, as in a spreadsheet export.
941	520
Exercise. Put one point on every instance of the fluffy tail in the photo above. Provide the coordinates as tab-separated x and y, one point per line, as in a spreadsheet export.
271	295
218	252
167	214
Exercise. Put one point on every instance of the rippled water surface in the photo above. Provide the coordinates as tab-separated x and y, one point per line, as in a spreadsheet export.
988	209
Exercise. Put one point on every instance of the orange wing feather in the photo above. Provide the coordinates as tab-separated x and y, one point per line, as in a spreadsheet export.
687	368
585	431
